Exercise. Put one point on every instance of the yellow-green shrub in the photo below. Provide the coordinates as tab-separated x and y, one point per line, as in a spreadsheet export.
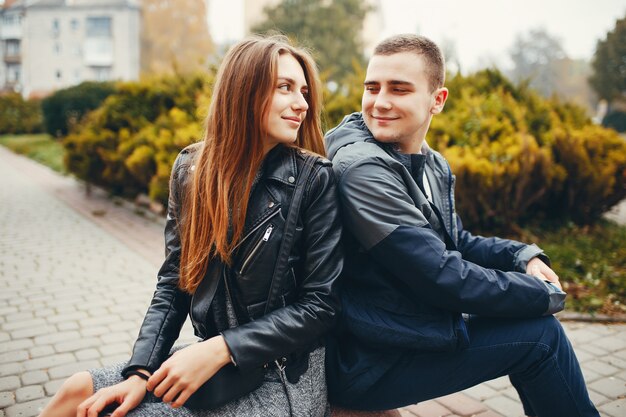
128	144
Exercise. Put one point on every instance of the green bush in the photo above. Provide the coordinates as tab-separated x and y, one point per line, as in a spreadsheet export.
65	108
128	144
18	115
520	158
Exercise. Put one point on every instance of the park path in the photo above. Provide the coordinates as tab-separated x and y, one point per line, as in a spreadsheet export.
77	273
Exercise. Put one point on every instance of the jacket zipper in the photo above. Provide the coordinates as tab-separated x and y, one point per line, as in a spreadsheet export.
257	227
250	233
253	252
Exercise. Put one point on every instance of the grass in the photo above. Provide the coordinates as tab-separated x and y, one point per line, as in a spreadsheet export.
591	262
39	147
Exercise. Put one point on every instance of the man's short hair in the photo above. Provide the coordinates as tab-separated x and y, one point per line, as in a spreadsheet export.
420	45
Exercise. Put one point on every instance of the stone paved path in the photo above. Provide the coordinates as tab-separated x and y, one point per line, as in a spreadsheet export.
77	273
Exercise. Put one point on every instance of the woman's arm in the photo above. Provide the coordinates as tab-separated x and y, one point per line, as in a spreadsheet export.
170	305
312	314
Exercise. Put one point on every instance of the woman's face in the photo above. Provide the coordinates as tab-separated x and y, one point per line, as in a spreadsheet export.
288	107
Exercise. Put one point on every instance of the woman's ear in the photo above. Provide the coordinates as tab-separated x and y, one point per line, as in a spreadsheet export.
440	96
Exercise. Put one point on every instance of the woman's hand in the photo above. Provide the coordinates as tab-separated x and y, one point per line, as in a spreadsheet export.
128	394
187	369
539	269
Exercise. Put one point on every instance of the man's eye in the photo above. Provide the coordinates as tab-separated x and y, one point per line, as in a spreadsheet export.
371	88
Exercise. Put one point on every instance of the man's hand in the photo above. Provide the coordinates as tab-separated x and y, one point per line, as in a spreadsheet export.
128	394
187	369
539	269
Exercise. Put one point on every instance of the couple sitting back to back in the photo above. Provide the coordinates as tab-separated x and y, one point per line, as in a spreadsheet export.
425	308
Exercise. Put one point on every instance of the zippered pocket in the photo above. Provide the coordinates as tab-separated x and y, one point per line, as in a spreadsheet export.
257	248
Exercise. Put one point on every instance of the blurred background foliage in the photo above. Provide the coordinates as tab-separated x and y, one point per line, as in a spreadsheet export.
529	161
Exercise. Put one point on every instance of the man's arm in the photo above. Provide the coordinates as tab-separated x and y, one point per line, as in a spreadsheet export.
381	215
495	252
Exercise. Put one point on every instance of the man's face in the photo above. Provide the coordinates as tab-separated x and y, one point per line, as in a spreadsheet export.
397	101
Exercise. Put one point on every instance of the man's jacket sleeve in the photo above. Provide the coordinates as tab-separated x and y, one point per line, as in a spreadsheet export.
380	214
495	252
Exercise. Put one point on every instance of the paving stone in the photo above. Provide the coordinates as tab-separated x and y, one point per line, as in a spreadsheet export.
15	356
114	359
64	371
611	343
114	348
488	413
499	383
505	406
428	409
77	344
22	324
461	404
51	387
9	383
68	325
615	408
594	350
4	337
34	377
590	376
27	409
46	329
29	393
57	337
6	399
15	345
609	387
48	361
10	369
601	368
94	331
596	398
481	392
87	354
42	350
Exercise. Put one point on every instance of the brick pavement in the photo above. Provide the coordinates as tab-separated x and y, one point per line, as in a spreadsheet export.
77	274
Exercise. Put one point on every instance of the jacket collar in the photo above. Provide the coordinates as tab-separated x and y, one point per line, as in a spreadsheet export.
280	165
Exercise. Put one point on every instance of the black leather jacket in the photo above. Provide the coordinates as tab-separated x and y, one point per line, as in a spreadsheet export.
309	301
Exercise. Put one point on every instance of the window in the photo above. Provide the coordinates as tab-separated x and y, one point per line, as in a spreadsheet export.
99	27
74	24
12	47
57	48
13	73
102	73
58	74
56	29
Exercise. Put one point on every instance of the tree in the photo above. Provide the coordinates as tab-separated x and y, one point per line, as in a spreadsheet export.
331	28
609	64
175	36
534	58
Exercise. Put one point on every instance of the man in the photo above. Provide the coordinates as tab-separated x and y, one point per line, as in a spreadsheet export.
428	308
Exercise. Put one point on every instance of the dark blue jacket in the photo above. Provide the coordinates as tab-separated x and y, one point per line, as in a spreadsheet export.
410	265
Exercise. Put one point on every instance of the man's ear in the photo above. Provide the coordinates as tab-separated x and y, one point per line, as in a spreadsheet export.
440	95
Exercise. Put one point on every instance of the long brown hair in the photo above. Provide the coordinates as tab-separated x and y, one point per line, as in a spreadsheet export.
215	204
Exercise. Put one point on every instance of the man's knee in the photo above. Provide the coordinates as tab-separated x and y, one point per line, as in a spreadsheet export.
78	386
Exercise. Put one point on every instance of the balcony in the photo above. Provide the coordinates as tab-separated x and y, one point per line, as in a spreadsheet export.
98	52
11	31
12	58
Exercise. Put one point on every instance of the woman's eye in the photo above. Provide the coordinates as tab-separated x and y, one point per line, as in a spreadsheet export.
284	87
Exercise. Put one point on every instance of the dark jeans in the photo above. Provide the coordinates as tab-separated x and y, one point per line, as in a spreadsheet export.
535	353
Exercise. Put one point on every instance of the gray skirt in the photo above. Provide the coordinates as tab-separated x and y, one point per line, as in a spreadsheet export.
307	396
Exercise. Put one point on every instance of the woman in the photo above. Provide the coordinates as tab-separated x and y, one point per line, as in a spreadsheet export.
229	198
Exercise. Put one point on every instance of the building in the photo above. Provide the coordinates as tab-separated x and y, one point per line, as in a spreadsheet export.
52	44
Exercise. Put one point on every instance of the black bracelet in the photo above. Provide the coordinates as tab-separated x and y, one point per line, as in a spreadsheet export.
139	374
